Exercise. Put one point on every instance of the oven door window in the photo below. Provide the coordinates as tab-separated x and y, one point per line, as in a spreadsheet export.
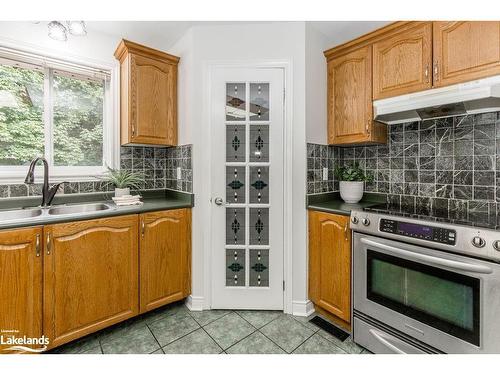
441	299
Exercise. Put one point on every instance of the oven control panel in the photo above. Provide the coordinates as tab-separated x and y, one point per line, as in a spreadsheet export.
419	231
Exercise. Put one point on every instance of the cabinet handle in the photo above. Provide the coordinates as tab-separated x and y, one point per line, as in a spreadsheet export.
436	71
427	73
133	130
48	243
345	231
368	123
37	245
143	228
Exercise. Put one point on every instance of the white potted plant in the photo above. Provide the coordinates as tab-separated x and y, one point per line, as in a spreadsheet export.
352	179
123	180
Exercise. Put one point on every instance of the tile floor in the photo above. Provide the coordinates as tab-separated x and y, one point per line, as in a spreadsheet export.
176	330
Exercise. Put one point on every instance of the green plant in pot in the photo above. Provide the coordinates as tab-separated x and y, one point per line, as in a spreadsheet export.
351	184
123	180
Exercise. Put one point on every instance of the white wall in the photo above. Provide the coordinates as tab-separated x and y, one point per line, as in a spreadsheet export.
316	112
240	43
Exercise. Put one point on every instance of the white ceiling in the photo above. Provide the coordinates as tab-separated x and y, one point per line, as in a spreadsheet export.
338	32
164	34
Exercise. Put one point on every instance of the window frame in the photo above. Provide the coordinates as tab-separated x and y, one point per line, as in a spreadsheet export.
80	68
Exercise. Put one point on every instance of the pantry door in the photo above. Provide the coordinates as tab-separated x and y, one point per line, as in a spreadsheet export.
247	124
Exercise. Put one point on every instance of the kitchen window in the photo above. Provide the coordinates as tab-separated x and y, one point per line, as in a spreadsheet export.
58	110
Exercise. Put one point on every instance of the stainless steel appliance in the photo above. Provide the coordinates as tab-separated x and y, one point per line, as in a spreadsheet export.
424	285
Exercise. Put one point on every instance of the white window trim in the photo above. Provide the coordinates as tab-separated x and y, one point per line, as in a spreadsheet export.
111	116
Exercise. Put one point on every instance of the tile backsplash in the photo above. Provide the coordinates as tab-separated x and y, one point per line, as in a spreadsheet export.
159	165
452	162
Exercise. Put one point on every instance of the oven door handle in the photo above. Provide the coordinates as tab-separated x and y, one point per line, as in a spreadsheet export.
462	266
385	342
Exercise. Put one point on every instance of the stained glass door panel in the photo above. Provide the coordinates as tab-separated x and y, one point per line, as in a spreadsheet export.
248	263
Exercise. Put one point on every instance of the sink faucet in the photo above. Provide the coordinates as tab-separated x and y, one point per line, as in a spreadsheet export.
48	193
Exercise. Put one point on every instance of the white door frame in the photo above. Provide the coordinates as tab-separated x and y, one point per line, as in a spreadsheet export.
286	66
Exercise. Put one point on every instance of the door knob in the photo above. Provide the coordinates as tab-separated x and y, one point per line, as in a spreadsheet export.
218	201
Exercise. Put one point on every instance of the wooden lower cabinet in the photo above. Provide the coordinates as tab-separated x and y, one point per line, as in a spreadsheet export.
20	284
90	276
330	266
165	257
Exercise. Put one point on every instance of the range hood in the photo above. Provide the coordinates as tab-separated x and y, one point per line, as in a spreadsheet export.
478	96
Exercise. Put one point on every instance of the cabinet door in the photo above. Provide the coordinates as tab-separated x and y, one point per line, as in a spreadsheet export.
330	263
153	101
403	63
350	97
90	276
165	257
20	284
465	51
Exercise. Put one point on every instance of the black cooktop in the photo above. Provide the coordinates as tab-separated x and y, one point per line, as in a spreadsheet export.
430	211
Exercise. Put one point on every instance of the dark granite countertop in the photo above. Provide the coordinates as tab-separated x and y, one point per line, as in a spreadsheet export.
156	200
332	203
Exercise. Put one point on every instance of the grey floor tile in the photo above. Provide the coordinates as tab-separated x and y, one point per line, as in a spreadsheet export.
208	316
177	309
259	318
96	350
347	345
256	343
229	329
139	341
171	328
197	342
125	329
287	332
305	320
79	346
318	345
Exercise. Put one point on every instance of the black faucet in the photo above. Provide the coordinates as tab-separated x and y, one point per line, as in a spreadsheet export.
48	193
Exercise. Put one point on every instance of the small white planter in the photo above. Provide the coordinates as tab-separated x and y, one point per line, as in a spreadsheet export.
351	191
121	192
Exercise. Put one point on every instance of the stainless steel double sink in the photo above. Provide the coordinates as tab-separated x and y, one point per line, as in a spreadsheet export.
68	209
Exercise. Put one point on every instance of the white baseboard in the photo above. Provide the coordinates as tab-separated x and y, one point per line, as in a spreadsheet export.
194	303
302	308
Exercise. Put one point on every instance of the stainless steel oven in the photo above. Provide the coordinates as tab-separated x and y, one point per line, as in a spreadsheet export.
415	299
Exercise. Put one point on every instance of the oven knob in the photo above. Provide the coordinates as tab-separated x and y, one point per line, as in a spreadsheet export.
354	220
496	245
478	241
366	221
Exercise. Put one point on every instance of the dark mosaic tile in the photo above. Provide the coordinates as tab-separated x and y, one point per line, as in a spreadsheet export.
462	177
484	178
18	190
444	177
444	191
462	191
484	163
484	193
484	131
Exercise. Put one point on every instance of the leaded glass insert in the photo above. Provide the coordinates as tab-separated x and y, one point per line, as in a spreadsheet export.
259	184
235	184
259	143
235	143
235	267
259	267
259	102
235	226
235	102
259	226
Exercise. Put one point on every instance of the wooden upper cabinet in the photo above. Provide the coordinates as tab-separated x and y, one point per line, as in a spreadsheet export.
148	95
402	63
465	50
350	113
330	264
20	283
165	257
90	276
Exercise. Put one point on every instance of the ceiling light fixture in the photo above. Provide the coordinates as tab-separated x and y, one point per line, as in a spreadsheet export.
77	28
59	31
